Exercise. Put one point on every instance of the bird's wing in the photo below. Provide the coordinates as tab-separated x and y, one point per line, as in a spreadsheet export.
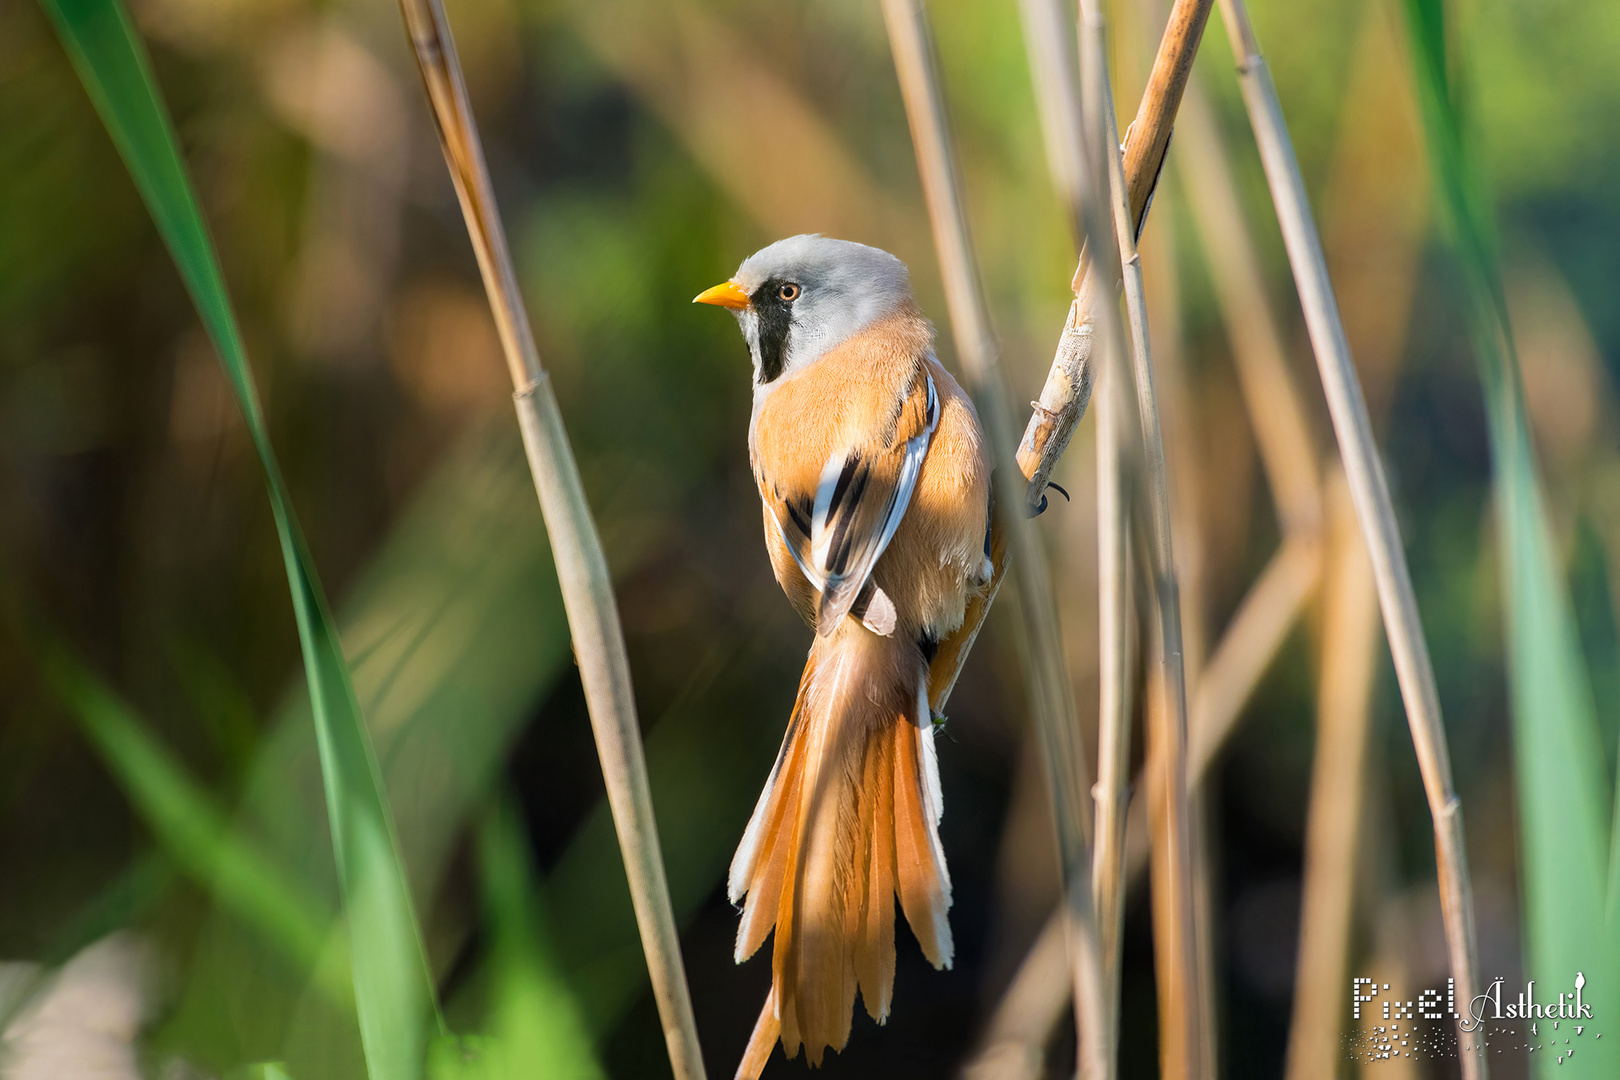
837	536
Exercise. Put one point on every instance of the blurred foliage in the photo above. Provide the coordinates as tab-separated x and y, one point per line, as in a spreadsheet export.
639	152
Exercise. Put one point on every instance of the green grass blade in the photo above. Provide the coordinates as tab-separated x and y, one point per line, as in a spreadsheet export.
1562	793
454	632
191	827
394	993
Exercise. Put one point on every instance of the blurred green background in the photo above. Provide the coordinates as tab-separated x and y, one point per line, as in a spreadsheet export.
639	152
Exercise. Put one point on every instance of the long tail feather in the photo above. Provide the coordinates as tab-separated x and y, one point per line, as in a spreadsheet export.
766	1030
847	822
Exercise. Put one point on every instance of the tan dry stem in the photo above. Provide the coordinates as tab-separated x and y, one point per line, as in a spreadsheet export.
1068	384
1374	508
1333	822
1179	939
1055	717
582	570
1281	429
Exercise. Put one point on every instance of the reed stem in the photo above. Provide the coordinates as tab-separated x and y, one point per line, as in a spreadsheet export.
1374	508
1068	384
1049	38
1333	822
582	570
1055	718
1116	662
1282	432
1099	112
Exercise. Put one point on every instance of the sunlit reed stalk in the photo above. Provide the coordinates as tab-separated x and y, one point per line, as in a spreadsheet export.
1281	429
1282	436
1374	508
1068	383
582	569
1055	720
1190	470
1048	32
1098	99
1349	665
1116	662
1049	40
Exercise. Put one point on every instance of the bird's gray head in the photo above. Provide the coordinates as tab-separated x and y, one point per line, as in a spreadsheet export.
804	295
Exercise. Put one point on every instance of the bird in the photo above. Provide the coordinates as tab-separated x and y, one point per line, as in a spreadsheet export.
875	483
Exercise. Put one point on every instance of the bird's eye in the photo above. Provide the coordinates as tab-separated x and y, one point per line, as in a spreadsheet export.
789	292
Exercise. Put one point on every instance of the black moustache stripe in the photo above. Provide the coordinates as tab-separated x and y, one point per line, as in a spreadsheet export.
775	320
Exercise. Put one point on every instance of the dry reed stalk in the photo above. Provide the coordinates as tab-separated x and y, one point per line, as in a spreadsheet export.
1013	1046
1370	490
1172	687
1068	384
1281	429
1048	37
1116	662
1065	395
582	570
1349	665
1054	712
1179	1044
1187	476
1181	441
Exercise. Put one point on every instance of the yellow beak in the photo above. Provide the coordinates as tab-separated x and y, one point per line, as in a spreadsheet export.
727	294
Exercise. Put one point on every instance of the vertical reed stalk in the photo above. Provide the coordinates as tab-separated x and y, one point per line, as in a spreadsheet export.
582	569
1067	110
1068	384
1374	508
1049	37
1099	111
1115	664
1050	694
1281	430
1333	822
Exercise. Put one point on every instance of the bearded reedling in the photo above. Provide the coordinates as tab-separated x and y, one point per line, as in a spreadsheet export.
876	488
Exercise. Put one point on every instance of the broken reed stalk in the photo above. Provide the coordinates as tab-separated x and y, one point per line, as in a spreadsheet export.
582	570
1048	35
1056	722
1333	823
1098	99
1374	509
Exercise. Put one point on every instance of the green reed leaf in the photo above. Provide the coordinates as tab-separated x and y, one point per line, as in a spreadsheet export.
1563	799
192	828
393	990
